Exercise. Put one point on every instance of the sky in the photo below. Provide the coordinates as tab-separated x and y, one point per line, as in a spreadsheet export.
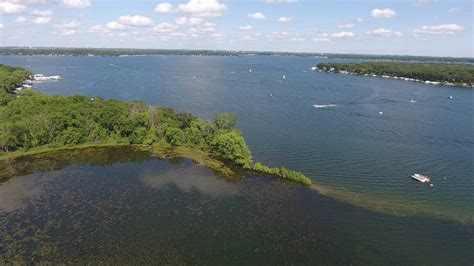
403	27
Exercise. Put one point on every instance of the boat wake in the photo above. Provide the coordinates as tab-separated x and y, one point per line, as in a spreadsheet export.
320	106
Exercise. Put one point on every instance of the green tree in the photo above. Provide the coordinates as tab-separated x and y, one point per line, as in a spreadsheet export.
231	146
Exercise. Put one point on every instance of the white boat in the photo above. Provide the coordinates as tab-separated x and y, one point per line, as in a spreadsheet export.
284	77
421	178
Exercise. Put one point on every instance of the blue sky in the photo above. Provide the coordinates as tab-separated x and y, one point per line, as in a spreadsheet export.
414	27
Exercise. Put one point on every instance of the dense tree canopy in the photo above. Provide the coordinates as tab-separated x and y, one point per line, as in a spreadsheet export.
454	73
11	78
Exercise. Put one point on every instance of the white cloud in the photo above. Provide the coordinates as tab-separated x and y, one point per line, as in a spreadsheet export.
383	13
343	34
7	8
97	29
297	39
359	20
67	32
248	38
188	21
66	25
76	3
21	19
203	8
346	26
444	29
257	16
381	32
165	27
280	1
44	13
2	26
115	26
321	39
280	34
164	8
42	20
209	24
284	19
136	21
209	30
455	9
246	28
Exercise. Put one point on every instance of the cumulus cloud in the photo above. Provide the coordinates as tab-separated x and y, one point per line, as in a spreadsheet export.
346	26
203	8
164	8
2	26
280	34
44	13
165	27
115	26
21	19
381	32
383	13
321	39
343	34
42	20
192	21
68	25
76	3
246	28
257	16
297	39
135	21
7	8
444	29
97	29
284	19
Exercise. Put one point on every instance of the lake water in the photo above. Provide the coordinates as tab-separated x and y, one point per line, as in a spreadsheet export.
365	158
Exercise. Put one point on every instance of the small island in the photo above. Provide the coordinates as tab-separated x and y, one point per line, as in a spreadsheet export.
429	73
35	123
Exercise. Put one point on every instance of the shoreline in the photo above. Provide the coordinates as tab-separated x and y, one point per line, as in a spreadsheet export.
427	82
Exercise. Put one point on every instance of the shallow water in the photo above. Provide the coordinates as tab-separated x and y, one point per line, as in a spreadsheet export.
145	210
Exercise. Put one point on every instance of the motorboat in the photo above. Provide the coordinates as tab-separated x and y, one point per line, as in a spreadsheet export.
421	178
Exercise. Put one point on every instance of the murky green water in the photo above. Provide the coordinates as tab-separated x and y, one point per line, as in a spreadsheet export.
119	206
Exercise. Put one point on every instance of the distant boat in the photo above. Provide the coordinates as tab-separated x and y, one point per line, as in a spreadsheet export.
450	97
380	113
413	101
270	94
250	70
284	77
421	178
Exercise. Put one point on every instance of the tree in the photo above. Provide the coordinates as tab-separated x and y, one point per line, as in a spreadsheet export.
231	146
225	121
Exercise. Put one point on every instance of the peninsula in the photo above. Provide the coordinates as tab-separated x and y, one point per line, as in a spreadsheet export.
429	73
33	123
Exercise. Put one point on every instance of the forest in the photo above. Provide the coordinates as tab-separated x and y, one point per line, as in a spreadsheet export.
453	73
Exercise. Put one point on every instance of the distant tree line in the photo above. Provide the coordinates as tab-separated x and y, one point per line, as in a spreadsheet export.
453	73
138	52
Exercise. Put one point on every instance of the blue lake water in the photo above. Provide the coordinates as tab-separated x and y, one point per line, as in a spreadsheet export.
350	146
